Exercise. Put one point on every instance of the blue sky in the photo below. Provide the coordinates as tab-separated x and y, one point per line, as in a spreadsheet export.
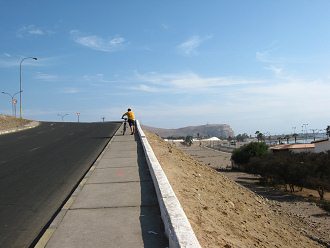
255	65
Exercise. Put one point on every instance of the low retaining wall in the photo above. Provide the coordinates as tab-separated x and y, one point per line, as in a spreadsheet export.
177	226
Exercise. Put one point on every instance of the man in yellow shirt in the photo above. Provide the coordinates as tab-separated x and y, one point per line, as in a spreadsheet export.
131	120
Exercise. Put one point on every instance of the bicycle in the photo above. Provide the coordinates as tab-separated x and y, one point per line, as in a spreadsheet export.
125	126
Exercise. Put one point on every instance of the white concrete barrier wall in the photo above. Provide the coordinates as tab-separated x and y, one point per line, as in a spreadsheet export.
177	226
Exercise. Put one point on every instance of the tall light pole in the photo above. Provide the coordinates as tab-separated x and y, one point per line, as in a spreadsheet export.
20	84
62	116
13	102
314	130
305	125
78	114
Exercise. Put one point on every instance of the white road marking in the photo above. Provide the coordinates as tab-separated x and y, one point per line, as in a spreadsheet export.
33	149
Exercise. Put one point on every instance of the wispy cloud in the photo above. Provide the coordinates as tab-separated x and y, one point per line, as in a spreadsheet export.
277	64
96	78
268	57
186	82
145	88
70	90
32	30
276	107
98	43
8	62
165	26
190	46
47	77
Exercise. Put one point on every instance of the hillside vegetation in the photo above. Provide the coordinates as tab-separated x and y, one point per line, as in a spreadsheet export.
311	170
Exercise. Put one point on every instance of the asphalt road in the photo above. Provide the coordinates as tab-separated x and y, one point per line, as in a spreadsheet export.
39	168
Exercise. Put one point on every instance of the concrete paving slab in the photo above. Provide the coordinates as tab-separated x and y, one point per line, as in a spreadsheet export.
110	227
124	141
117	162
120	154
116	195
124	174
123	149
127	143
122	162
124	138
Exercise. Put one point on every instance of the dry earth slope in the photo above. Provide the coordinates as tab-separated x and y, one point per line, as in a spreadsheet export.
221	212
9	123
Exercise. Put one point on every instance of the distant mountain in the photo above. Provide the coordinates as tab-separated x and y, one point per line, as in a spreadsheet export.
209	130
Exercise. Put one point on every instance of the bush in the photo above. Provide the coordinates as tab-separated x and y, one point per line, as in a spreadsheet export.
325	205
243	154
303	169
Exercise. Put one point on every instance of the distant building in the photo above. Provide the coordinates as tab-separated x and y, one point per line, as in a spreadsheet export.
322	145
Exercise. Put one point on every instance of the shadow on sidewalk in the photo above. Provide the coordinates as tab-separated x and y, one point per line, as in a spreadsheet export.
152	226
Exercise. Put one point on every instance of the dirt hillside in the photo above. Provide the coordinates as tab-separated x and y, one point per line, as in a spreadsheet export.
9	122
221	212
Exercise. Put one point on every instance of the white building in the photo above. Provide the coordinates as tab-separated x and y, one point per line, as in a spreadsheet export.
295	148
316	146
322	145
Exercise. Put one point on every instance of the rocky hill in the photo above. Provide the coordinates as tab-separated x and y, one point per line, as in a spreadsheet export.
208	130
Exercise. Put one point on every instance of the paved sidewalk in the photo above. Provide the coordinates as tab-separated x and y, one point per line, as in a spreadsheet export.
117	206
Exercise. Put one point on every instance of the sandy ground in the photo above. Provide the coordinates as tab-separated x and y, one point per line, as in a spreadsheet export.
224	213
11	124
8	122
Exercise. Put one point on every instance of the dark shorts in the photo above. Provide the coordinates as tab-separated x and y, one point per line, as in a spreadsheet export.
131	122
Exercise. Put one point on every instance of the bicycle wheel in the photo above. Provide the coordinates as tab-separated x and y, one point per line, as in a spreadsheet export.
124	128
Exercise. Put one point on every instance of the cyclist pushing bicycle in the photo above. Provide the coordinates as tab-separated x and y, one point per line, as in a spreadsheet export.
131	120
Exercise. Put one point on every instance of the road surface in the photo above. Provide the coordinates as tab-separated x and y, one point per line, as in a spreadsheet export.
39	168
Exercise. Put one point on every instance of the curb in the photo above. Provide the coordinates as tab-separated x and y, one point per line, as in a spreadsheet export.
177	226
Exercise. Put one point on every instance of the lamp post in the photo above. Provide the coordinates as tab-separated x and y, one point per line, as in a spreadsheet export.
304	127
78	114
20	84
13	102
62	116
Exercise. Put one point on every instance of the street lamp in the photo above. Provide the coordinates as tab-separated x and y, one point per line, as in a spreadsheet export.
13	102
62	116
20	84
78	114
305	126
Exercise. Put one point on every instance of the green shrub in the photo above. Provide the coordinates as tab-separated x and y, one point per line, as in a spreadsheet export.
310	170
243	154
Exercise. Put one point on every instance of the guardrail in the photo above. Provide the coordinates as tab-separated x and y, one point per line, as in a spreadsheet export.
177	226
